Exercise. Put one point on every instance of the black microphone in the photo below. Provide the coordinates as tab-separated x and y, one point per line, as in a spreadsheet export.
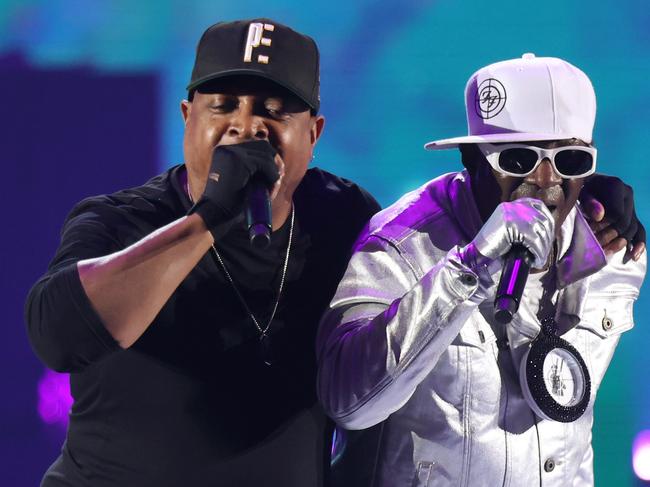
258	213
513	280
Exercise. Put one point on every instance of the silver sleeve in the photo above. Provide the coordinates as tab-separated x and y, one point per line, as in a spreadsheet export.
385	329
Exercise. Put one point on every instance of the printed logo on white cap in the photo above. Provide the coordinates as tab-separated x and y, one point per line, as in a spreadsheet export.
490	98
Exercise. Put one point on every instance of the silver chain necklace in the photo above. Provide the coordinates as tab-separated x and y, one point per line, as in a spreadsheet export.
265	339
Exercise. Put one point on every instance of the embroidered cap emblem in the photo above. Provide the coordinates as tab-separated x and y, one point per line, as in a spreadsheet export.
490	98
255	39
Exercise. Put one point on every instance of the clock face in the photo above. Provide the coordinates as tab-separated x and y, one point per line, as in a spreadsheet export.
563	377
554	379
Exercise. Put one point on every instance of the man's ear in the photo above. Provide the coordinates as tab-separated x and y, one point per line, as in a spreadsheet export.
316	129
186	108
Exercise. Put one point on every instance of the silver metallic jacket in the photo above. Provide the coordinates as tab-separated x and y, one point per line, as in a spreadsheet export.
403	347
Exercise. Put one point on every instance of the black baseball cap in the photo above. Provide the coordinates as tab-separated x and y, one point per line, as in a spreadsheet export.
259	47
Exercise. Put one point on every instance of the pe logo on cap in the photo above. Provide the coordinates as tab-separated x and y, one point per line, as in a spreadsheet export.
255	39
490	98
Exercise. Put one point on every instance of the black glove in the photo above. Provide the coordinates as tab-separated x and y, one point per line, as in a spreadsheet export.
620	220
231	170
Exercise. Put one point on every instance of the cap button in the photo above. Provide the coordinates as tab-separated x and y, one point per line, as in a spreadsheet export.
528	55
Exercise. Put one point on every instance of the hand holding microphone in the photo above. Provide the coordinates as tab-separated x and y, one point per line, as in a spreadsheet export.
524	226
227	192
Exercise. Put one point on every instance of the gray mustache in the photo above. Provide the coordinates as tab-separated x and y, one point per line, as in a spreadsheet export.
553	196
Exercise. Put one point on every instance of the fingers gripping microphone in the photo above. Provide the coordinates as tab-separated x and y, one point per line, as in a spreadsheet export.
258	213
513	280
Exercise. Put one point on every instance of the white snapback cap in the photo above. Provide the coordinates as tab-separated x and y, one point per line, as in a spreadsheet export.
531	98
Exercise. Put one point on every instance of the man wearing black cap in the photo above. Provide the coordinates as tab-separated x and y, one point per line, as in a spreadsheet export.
190	350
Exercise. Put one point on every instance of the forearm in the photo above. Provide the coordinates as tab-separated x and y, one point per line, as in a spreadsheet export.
128	288
374	352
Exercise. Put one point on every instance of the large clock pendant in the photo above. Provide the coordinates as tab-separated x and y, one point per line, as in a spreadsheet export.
554	378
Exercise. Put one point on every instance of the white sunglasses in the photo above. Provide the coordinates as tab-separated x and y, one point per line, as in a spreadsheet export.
519	160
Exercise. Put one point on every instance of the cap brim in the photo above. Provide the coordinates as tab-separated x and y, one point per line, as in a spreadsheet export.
249	72
492	139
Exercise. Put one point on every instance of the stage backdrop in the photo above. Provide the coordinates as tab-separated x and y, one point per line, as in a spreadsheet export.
91	93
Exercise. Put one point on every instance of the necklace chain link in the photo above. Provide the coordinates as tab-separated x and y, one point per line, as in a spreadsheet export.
262	331
284	273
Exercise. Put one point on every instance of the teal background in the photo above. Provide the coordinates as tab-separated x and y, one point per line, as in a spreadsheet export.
392	76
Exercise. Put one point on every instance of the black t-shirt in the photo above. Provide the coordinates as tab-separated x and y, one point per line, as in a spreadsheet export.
192	401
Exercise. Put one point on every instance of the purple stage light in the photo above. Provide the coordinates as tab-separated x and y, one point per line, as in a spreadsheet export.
641	455
54	399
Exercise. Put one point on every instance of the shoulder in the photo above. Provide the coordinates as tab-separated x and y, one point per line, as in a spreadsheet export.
332	211
334	203
154	203
323	186
414	210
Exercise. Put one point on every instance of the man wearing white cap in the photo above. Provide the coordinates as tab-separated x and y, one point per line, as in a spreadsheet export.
412	350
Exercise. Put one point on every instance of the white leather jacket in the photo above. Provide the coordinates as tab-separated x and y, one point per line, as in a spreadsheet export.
403	348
